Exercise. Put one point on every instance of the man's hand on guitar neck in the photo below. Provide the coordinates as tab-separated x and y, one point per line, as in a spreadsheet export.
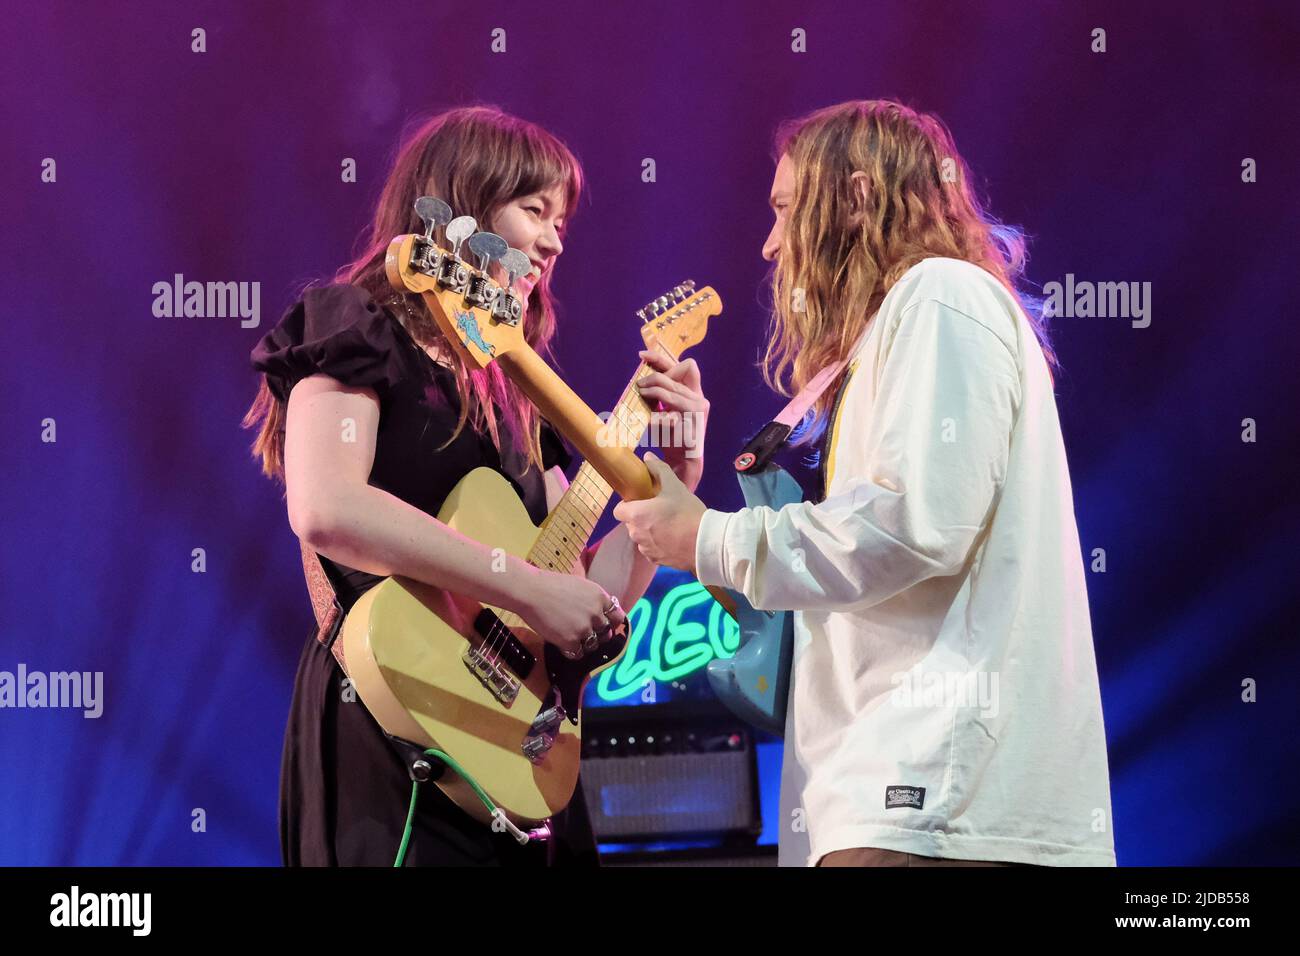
664	528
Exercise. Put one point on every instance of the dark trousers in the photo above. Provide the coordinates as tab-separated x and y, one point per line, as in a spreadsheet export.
874	856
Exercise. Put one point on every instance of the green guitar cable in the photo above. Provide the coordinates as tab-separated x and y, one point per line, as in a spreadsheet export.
415	792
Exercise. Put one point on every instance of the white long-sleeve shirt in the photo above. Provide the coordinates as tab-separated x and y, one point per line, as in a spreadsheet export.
944	699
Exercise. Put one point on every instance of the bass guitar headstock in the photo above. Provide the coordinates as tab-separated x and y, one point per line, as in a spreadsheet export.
479	317
482	319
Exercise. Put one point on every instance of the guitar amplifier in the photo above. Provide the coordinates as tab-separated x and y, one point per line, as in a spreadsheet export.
656	772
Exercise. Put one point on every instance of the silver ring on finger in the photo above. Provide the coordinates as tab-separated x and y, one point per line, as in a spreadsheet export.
613	603
590	642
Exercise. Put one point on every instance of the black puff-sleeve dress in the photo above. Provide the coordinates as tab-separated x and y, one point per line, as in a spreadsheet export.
344	788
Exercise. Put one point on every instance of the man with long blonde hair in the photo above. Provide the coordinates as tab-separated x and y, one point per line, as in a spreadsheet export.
944	705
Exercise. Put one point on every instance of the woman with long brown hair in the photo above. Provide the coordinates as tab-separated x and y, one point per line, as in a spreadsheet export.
945	707
369	419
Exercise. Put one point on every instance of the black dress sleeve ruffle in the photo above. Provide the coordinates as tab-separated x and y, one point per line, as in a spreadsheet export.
337	331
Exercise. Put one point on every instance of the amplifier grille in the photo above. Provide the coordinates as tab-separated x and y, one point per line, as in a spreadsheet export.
649	773
670	794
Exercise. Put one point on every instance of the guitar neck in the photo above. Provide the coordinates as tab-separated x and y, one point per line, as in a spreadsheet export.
570	524
457	297
615	460
568	528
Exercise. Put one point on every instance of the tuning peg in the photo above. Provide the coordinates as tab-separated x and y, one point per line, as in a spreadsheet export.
458	230
433	212
488	246
516	264
689	286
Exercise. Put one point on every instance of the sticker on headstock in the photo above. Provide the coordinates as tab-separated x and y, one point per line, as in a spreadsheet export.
468	326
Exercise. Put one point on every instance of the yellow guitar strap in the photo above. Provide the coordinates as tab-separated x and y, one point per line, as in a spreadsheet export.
835	425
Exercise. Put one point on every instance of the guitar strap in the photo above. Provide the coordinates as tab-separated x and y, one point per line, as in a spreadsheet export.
323	587
757	454
826	460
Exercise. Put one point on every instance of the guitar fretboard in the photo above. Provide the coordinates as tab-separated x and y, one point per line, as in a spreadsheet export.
568	528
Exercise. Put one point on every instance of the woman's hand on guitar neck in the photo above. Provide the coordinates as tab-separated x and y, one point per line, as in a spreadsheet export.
564	609
673	392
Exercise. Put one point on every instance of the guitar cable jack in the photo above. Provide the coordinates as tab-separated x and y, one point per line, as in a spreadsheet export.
422	769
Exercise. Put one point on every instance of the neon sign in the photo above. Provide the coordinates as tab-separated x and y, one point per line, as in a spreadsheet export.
668	640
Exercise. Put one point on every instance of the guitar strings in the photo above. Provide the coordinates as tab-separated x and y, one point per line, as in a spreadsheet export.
499	634
498	637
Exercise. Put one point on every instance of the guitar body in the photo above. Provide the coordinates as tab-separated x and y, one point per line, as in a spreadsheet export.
444	672
754	683
406	644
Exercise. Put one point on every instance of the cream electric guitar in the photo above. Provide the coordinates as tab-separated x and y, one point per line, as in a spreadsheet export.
443	671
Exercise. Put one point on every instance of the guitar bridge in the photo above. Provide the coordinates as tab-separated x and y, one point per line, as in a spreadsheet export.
542	733
493	676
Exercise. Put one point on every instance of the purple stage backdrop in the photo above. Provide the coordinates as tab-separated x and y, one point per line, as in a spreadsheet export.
132	157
